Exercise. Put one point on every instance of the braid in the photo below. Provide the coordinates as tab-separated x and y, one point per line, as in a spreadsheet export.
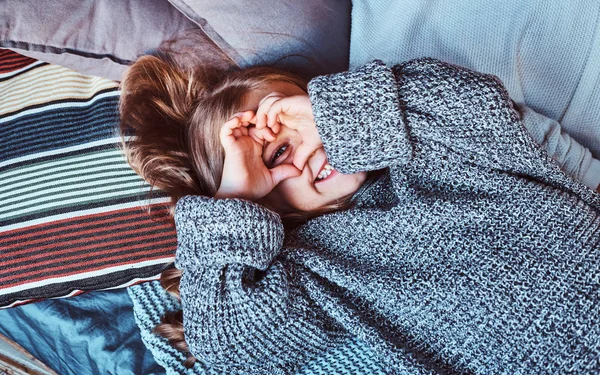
171	324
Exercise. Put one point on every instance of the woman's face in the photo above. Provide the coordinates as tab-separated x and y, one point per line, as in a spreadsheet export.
319	184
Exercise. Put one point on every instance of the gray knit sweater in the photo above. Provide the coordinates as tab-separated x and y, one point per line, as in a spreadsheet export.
473	253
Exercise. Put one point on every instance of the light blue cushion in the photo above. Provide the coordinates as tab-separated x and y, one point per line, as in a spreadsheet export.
547	52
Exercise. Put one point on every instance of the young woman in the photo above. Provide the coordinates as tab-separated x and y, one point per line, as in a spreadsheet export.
426	221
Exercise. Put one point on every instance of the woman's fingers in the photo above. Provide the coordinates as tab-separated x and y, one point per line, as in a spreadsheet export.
269	135
279	107
226	135
283	172
265	133
237	133
293	111
235	127
245	117
261	120
303	153
256	136
261	135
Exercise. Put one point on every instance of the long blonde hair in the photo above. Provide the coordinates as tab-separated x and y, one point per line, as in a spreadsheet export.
172	107
171	114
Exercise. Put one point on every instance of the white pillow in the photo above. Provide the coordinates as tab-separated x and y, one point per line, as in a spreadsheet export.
547	53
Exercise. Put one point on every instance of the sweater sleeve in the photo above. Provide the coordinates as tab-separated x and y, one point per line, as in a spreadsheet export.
376	117
359	118
573	158
240	311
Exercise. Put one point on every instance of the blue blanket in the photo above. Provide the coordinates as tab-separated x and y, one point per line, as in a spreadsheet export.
94	333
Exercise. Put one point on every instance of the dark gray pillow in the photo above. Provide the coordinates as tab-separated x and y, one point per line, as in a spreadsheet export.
103	37
100	37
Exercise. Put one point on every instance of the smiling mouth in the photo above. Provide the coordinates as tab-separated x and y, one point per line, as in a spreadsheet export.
325	172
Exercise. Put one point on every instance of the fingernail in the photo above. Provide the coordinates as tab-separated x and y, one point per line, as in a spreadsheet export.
236	115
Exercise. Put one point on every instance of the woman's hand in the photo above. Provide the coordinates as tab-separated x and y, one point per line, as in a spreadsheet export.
245	175
294	112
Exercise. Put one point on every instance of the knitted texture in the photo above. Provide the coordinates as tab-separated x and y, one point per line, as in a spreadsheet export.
220	242
151	302
224	298
473	253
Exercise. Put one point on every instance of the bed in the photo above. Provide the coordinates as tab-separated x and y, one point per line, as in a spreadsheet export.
79	250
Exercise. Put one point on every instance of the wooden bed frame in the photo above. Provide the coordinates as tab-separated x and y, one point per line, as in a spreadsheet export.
15	360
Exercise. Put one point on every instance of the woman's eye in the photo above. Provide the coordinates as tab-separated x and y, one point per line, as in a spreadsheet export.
278	153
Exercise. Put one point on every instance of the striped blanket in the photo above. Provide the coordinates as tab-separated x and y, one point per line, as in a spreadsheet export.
74	216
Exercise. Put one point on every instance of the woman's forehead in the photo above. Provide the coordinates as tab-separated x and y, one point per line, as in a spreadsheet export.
282	87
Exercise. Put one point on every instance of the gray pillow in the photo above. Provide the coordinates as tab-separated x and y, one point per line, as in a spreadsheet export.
103	37
310	37
93	37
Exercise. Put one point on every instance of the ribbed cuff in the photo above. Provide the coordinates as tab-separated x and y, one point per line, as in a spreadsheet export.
358	117
224	231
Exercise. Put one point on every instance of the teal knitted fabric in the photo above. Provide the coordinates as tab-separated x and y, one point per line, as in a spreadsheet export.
151	302
473	253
